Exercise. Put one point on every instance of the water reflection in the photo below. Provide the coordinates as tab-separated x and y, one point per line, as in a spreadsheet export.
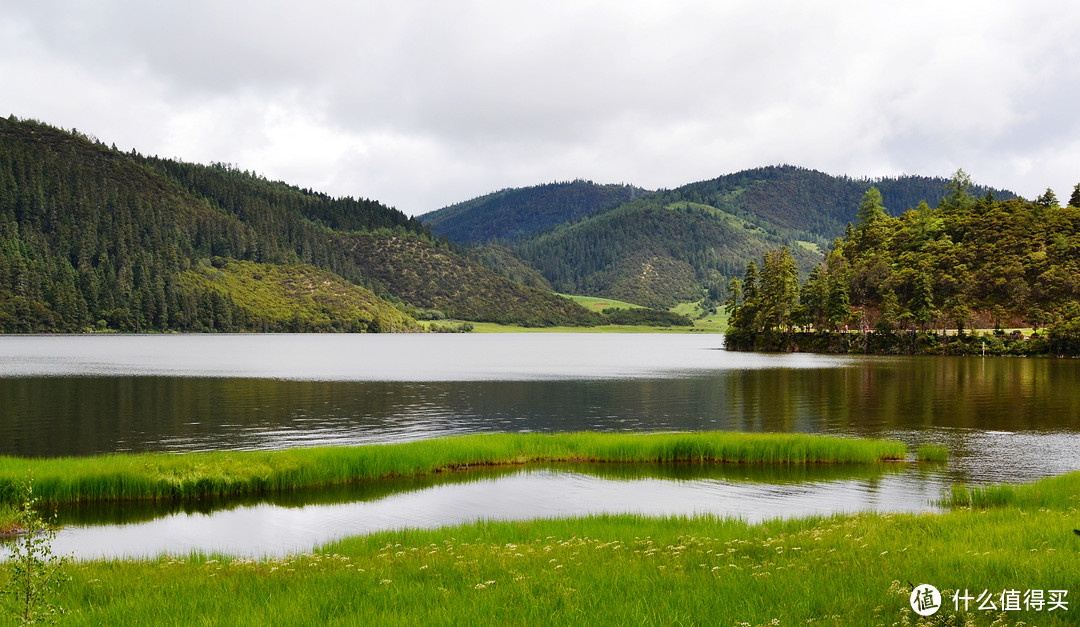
300	522
993	413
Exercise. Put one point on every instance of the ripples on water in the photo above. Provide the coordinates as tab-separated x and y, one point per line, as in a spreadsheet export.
261	528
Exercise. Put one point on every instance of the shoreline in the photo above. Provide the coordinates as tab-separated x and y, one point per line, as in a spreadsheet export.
620	569
192	476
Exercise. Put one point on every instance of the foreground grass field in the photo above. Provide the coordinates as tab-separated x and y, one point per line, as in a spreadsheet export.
622	570
163	476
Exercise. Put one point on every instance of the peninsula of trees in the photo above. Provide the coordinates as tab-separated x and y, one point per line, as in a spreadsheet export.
899	284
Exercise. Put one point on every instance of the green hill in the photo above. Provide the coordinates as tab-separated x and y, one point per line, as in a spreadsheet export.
91	237
803	204
512	214
683	244
296	298
648	253
429	275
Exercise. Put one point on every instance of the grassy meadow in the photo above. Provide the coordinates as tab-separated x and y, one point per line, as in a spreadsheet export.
612	569
839	570
598	304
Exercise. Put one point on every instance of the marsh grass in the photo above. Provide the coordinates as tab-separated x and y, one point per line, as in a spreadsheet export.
843	570
932	453
1052	492
165	476
9	519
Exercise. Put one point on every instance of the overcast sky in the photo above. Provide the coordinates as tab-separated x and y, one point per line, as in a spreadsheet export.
423	104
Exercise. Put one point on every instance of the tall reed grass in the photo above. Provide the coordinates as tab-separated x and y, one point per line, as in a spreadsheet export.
1052	492
932	453
165	476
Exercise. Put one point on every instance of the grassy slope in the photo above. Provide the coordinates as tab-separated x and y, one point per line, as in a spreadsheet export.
275	295
842	570
488	327
598	304
652	252
432	277
712	323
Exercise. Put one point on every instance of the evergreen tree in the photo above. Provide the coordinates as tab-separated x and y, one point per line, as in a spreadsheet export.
779	289
814	296
1048	200
747	318
870	209
958	192
734	299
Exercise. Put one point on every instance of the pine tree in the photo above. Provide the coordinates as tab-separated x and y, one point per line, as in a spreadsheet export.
1048	200
870	209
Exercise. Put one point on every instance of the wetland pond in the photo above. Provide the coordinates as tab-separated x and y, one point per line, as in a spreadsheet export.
1002	419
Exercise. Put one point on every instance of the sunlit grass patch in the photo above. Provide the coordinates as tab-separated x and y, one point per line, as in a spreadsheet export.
609	569
1052	492
164	476
932	453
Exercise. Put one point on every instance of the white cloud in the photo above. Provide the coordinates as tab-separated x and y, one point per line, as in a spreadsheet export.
421	104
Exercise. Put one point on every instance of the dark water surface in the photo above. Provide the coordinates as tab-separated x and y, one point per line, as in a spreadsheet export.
1003	419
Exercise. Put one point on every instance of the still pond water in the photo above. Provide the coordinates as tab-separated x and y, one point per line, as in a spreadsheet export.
1002	419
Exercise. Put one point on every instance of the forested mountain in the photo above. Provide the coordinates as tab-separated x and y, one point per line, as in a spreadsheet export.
93	237
648	252
967	262
802	204
685	243
512	214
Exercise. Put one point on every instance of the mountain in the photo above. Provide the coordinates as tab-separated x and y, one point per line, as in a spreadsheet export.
512	214
686	243
804	204
91	237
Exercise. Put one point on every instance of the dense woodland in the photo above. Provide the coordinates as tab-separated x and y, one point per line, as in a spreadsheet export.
685	244
511	214
94	238
647	253
970	262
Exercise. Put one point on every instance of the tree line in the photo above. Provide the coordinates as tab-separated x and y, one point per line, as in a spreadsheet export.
969	262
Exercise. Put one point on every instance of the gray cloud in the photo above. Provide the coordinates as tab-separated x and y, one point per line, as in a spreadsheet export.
421	104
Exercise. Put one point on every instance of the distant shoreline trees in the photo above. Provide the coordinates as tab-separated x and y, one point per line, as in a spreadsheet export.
966	263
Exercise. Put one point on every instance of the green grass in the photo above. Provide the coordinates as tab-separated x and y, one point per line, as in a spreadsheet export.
713	322
296	297
1053	492
619	570
8	525
932	453
491	327
597	304
164	476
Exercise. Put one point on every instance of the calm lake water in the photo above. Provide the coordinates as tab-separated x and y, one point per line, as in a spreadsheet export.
1003	419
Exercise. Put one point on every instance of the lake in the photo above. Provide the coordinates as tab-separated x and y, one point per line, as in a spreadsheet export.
1003	419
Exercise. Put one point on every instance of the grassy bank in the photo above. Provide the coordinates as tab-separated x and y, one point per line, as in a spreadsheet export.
843	570
163	476
1055	492
491	327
